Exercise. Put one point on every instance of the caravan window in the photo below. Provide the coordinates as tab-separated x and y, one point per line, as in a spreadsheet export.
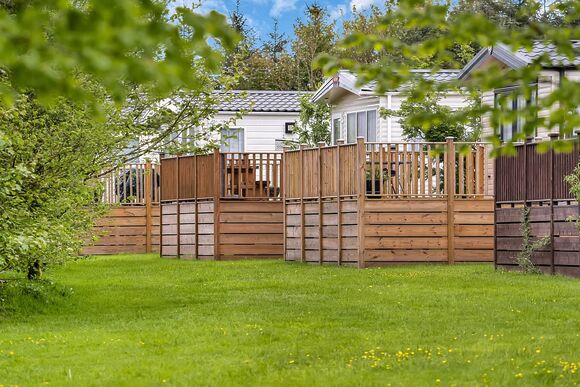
362	124
335	130
232	140
513	102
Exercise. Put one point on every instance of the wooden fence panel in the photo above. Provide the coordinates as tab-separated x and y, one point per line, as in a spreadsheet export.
251	229
414	203
331	248
123	230
536	180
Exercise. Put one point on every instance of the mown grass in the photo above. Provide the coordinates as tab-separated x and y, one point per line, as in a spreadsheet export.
141	320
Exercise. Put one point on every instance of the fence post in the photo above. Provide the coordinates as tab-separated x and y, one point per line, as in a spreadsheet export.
320	209
302	226
216	203
283	173
148	208
177	207
450	184
338	204
161	157
195	208
553	136
361	175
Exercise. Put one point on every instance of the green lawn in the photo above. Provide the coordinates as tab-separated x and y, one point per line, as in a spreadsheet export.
141	320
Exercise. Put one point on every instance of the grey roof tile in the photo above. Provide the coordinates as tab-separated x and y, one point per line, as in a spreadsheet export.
260	100
438	76
540	48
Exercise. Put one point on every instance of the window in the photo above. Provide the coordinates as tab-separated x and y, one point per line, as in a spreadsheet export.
232	140
289	127
362	124
335	130
512	101
351	127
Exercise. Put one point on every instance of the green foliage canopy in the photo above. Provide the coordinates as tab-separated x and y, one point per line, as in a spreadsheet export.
80	83
45	44
474	29
313	125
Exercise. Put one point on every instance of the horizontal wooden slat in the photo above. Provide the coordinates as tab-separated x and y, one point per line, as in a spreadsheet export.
252	228
251	249
120	231
405	218
473	218
124	240
121	221
106	250
405	205
250	207
276	239
485	255
251	218
473	205
405	243
473	230
421	255
474	242
405	230
126	211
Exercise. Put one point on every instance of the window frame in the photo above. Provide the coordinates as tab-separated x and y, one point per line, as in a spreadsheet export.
362	116
241	135
516	103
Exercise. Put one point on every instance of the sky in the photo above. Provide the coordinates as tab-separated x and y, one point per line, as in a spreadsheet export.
260	13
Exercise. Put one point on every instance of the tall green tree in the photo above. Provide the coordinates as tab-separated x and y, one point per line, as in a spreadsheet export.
80	82
314	36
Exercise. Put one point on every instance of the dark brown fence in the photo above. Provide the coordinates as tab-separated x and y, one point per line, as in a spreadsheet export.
536	180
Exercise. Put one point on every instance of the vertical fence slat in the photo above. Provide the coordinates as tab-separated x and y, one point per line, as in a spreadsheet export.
450	183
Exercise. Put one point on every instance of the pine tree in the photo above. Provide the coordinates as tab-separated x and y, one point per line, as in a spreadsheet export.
314	36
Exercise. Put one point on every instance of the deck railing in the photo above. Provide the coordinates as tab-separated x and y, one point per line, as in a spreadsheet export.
131	184
230	175
387	170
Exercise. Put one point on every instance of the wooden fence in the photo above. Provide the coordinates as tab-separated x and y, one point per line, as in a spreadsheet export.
132	223
222	206
374	204
536	181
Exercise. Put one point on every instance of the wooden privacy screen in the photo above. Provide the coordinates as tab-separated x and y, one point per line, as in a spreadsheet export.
375	204
132	223
222	206
536	180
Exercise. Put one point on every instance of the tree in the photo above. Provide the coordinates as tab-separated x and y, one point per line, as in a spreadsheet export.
313	124
111	72
427	119
275	46
475	30
46	44
237	61
313	37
